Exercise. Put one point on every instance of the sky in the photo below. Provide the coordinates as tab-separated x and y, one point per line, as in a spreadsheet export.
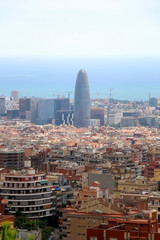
79	28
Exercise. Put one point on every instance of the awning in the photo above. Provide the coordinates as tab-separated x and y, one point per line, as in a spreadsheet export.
44	182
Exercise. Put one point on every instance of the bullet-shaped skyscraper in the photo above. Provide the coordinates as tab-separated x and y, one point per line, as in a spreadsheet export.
82	100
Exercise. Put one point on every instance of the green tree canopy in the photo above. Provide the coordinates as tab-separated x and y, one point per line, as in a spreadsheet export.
7	233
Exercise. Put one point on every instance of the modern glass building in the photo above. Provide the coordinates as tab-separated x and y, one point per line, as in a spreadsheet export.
82	100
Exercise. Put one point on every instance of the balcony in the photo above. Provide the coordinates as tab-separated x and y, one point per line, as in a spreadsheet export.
30	201
66	230
25	181
26	203
34	211
29	198
31	205
39	216
25	188
59	203
20	193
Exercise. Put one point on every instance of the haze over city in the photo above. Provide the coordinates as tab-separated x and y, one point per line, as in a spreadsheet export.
104	28
46	42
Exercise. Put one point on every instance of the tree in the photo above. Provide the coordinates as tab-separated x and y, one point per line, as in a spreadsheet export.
7	233
30	237
46	232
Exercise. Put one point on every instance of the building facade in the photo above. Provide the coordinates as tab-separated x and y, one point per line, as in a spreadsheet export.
28	109
15	95
45	110
82	100
6	103
129	229
98	113
64	117
11	159
28	192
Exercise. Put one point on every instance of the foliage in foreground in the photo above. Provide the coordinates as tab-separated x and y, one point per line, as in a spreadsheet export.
46	232
7	233
22	222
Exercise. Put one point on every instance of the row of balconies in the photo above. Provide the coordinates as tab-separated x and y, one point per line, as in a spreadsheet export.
33	207
24	179
25	192
26	203
24	185
32	210
31	204
39	215
29	188
30	198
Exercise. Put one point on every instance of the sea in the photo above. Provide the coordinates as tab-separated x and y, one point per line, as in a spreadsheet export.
118	78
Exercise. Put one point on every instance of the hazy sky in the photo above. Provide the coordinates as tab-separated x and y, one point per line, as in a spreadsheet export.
80	28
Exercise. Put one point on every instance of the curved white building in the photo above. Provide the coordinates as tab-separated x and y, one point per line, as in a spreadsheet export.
28	192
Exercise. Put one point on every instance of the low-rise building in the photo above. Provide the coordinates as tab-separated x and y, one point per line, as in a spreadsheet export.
120	229
137	183
74	224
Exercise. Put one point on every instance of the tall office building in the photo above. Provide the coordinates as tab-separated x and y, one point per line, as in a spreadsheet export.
15	95
28	109
98	113
153	102
64	117
6	103
61	104
49	108
45	110
82	100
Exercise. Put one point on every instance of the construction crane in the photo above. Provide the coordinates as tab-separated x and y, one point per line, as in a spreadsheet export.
109	104
98	93
110	93
69	94
61	94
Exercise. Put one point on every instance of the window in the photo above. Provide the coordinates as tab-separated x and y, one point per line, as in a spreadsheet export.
93	238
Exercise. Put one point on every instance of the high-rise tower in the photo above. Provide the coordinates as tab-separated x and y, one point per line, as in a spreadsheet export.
82	100
15	95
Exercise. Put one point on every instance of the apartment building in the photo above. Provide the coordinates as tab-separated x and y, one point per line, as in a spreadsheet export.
11	158
28	192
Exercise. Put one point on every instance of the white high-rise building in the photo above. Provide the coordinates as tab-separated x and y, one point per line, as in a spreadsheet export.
28	192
